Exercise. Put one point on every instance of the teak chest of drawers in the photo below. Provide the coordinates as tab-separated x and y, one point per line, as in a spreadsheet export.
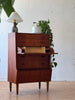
28	67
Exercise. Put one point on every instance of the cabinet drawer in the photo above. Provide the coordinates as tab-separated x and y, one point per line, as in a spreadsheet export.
33	61
45	75
34	75
32	39
28	76
20	39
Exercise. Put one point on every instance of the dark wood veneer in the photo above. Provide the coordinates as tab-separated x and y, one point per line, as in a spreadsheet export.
28	67
33	61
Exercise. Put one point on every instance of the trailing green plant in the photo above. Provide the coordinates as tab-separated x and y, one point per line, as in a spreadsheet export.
53	62
7	5
47	30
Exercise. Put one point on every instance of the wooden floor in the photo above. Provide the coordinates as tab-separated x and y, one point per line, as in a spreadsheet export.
30	91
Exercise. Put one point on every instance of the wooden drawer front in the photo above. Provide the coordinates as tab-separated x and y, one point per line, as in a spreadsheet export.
20	39
34	76
28	76
33	61
32	40
45	75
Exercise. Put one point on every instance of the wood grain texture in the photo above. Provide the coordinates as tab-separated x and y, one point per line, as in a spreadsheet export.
12	71
33	40
24	76
33	61
28	67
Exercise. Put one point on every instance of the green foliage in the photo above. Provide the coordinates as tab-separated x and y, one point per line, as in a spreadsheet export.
12	2
2	1
0	12
53	63
7	5
47	30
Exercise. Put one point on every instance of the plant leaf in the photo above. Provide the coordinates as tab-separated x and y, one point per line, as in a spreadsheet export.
0	12
53	55
55	64
8	7
53	59
2	1
52	66
12	2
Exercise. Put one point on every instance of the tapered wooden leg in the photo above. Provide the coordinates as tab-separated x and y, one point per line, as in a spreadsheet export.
17	87
10	86
39	85
47	86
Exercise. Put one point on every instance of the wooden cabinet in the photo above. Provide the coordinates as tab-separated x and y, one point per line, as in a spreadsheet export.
28	67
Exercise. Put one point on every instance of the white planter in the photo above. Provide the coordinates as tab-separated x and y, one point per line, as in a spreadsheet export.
36	29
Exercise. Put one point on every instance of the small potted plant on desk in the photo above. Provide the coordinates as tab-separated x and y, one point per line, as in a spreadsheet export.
47	30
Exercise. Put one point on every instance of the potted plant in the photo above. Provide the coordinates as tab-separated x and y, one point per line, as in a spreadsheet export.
7	5
47	30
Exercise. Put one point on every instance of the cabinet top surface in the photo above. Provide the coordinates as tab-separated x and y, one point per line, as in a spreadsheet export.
28	33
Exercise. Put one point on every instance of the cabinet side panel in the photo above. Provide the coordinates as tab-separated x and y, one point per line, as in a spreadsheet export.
11	58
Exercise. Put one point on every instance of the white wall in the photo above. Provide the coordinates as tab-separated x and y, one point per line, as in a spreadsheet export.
62	16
